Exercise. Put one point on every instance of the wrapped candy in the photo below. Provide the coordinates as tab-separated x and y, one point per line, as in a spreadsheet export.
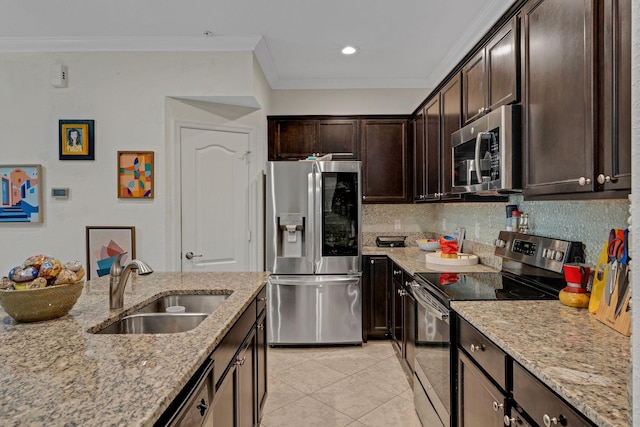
69	276
6	283
50	268
38	282
34	261
73	265
20	274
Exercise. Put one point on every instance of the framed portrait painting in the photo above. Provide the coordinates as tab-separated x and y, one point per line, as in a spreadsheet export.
135	174
21	193
103	246
76	140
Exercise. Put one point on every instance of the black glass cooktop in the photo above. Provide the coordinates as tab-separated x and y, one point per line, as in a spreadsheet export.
489	286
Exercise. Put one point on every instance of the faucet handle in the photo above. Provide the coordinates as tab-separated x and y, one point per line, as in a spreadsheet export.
116	268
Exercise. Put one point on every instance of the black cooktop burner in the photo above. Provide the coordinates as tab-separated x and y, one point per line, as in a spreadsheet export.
489	286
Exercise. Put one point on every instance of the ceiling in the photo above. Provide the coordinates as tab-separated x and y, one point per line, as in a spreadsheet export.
401	43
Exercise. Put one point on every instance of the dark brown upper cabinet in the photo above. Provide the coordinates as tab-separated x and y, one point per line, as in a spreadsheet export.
339	137
614	172
559	96
386	161
433	126
490	77
293	138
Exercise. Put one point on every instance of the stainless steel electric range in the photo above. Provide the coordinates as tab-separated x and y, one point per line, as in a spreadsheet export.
531	269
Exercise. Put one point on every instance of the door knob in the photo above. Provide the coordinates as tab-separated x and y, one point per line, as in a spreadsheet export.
190	255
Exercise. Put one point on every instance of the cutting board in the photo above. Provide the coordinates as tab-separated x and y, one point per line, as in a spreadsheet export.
461	261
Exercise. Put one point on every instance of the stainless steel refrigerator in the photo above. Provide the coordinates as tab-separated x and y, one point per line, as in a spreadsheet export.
313	247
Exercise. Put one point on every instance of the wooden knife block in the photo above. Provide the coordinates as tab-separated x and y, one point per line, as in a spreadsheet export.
606	313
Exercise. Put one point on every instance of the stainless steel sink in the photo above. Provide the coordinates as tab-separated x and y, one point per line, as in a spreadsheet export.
192	303
155	323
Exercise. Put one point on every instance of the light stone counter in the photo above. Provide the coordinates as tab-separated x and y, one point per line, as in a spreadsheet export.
570	351
412	259
56	373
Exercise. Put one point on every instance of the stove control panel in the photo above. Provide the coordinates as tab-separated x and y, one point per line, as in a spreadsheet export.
524	247
543	252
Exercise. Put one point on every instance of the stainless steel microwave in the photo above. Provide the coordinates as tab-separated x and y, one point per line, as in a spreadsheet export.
487	154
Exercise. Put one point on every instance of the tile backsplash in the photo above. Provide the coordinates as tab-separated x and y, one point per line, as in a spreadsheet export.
586	221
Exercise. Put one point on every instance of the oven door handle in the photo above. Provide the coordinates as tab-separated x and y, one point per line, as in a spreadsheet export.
437	309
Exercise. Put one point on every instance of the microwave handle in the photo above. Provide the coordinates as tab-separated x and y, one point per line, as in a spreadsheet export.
477	157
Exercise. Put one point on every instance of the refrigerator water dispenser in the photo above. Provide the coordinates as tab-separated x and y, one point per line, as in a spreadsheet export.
291	242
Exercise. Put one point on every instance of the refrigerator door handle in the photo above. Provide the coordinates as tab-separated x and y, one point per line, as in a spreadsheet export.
315	280
311	229
317	213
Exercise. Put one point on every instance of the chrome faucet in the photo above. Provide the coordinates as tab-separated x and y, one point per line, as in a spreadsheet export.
118	279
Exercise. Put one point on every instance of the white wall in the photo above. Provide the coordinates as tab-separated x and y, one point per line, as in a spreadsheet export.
346	102
125	94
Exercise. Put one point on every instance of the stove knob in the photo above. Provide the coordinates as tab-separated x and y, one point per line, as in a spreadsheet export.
544	253
559	256
499	243
551	254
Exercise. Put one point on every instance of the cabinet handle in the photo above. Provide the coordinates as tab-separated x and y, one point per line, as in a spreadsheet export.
475	348
364	197
602	179
582	181
202	407
480	110
509	421
240	361
262	299
549	421
260	327
497	406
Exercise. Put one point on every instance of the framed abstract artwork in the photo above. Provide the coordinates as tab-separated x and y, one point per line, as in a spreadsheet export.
20	193
135	174
103	246
75	140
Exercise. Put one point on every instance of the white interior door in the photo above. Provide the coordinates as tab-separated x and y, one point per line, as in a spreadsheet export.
214	188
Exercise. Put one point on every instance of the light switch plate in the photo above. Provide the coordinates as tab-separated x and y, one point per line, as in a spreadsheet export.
60	193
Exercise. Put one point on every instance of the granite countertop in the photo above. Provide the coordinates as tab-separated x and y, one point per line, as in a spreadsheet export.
412	259
56	373
578	357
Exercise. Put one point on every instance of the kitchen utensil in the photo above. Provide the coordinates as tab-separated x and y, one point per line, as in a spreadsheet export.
623	281
614	252
599	279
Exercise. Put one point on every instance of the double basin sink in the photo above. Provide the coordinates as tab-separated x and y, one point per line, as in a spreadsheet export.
167	314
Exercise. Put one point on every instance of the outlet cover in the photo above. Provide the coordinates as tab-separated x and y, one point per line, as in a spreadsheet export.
397	224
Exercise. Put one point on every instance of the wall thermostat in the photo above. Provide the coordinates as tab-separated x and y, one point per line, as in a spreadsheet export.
60	193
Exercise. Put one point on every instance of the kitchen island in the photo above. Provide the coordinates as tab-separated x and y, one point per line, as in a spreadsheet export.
59	373
579	358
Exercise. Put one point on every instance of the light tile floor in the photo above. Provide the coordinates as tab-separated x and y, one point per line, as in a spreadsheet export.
338	386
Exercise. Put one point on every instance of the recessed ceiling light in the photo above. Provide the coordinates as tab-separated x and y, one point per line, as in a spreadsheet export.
349	50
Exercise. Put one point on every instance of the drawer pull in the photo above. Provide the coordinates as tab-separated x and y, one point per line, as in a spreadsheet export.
549	421
475	348
260	326
262	299
240	361
202	407
497	406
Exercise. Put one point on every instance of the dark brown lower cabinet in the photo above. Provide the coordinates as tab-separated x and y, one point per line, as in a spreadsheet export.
241	376
376	280
261	363
480	403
